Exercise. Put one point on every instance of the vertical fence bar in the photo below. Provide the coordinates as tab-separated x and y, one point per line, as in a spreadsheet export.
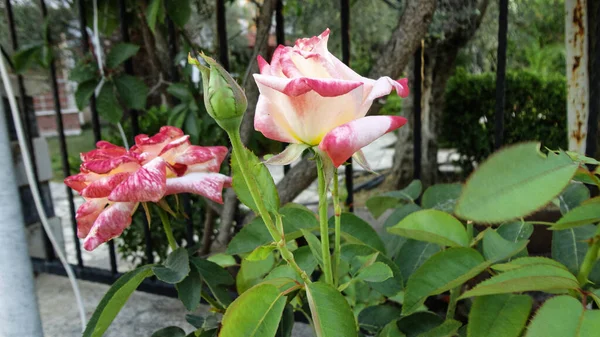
29	133
85	47
135	129
280	37
222	34
174	76
345	30
501	75
417	100
62	141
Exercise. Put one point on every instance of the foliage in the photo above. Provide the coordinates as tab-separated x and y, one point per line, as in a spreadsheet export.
535	110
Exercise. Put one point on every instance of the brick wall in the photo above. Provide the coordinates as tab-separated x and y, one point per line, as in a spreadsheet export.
44	108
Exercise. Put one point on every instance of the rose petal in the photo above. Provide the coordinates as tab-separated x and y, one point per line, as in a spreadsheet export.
211	155
147	184
360	159
342	142
288	156
102	187
103	166
209	185
87	213
270	120
325	87
109	224
77	182
263	66
384	86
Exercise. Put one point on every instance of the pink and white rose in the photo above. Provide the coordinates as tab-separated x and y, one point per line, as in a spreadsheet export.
310	98
113	181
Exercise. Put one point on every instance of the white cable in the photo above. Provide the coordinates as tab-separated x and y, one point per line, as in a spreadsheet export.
36	193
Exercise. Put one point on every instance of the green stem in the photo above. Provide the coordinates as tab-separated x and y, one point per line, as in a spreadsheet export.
324	226
337	217
588	262
164	218
238	153
211	301
454	293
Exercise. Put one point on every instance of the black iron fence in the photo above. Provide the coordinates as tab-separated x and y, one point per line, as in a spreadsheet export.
51	265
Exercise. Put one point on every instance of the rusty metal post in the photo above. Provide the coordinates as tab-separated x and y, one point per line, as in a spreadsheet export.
576	30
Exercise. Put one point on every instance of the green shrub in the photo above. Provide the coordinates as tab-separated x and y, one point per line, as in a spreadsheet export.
535	110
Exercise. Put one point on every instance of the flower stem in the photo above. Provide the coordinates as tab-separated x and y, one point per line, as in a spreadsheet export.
239	154
454	293
337	218
588	261
164	218
323	222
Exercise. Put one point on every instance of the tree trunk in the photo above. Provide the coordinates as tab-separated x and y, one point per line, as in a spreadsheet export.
438	66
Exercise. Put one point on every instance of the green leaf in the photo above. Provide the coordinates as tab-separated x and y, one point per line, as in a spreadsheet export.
256	313
442	197
526	262
175	268
446	329
170	331
84	92
179	11
443	271
499	315
393	243
196	321
181	91
356	230
389	287
259	172
585	214
496	248
25	57
569	246
223	260
189	290
315	246
108	105
432	226
532	278
305	259
260	253
83	72
215	277
377	272
132	91
515	231
564	316
418	323
119	53
287	322
574	195
391	330
331	314
253	235
413	254
377	205
513	183
375	318
154	11
409	193
114	299
251	273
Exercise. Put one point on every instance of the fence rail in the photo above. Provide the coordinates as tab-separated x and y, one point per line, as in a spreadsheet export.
109	275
